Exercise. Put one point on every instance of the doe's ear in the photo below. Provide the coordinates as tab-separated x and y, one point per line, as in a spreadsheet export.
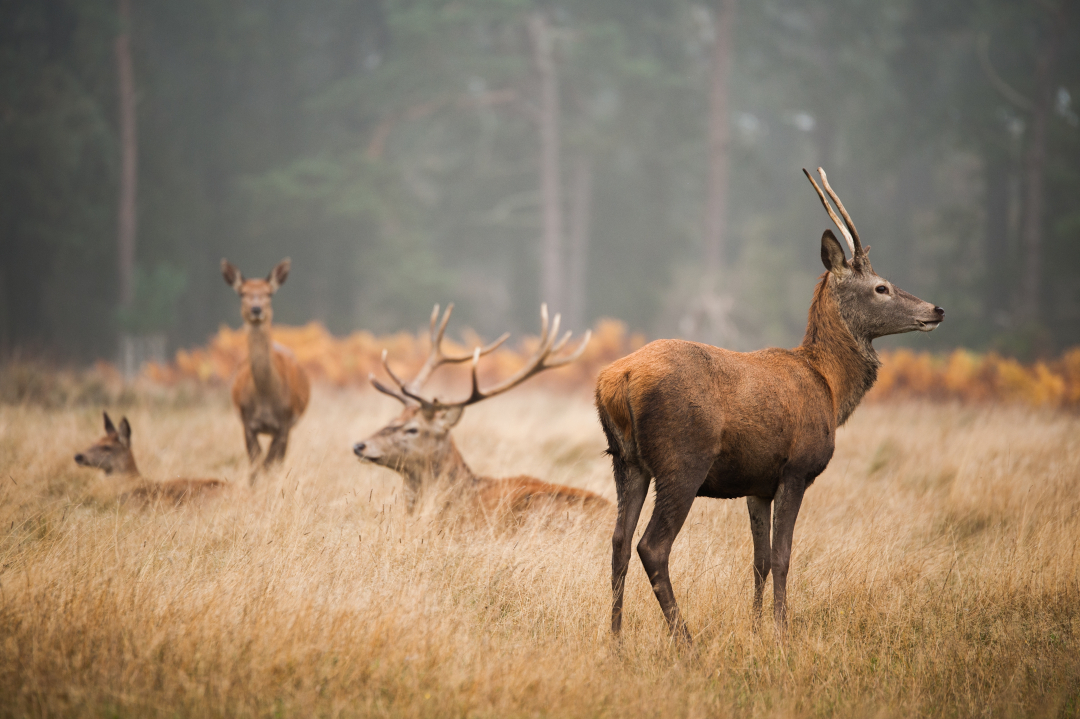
109	427
447	418
277	276
232	276
125	432
832	255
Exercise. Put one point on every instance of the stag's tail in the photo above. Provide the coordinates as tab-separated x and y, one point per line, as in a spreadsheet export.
616	414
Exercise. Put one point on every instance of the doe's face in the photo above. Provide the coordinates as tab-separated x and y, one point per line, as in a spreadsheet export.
111	453
255	306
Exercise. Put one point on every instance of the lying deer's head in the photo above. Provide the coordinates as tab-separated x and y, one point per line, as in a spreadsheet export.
870	304
112	453
414	442
417	442
255	294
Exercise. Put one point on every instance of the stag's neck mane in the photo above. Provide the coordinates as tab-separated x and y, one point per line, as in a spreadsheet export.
260	354
848	363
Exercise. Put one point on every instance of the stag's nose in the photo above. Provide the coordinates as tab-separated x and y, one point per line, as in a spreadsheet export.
358	449
256	311
940	311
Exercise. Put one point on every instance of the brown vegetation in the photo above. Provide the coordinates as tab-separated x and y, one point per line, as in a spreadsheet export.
934	574
346	361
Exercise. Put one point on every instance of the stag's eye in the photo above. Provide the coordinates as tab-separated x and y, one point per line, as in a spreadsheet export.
412	430
881	290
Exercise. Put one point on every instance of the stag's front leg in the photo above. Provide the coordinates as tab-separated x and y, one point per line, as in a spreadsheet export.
788	500
760	514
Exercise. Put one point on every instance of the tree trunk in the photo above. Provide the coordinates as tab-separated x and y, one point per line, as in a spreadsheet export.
1028	310
128	157
719	140
551	264
581	199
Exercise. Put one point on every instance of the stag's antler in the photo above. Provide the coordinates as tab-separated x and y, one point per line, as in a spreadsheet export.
847	227
436	358
542	359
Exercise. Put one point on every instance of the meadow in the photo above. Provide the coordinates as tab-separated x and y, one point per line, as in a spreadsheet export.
934	574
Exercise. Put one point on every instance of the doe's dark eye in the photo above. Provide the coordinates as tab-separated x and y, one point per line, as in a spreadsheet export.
412	430
881	290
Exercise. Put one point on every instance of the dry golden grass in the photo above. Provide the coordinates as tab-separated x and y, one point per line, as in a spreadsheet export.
934	574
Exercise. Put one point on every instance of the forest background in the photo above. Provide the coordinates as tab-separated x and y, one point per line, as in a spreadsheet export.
637	160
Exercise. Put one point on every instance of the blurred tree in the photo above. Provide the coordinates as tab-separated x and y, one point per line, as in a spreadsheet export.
390	147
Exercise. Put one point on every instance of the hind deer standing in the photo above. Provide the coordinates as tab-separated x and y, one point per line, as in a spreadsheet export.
702	421
418	445
112	455
271	390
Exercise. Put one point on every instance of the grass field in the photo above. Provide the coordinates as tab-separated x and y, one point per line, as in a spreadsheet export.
934	574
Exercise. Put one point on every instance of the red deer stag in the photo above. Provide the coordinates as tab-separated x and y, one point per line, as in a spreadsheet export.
112	455
418	445
702	421
271	390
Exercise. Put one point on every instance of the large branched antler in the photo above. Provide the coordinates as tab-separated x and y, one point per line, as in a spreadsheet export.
406	392
544	358
847	227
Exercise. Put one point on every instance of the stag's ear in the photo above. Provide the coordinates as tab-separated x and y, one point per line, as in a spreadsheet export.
125	432
109	427
277	276
832	256
445	419
232	276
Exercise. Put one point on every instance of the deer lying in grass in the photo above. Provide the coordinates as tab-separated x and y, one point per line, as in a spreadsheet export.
702	421
417	444
112	454
271	390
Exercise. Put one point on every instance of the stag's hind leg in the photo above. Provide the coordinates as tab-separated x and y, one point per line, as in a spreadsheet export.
632	485
654	548
760	515
276	452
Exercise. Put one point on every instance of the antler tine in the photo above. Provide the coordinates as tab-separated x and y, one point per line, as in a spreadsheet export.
540	361
401	394
843	212
573	355
396	394
436	357
832	213
561	343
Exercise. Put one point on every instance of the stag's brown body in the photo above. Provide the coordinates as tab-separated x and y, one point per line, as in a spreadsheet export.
112	454
271	390
701	421
418	445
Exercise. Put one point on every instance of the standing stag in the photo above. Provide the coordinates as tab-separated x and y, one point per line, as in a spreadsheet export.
271	390
707	422
112	455
418	445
